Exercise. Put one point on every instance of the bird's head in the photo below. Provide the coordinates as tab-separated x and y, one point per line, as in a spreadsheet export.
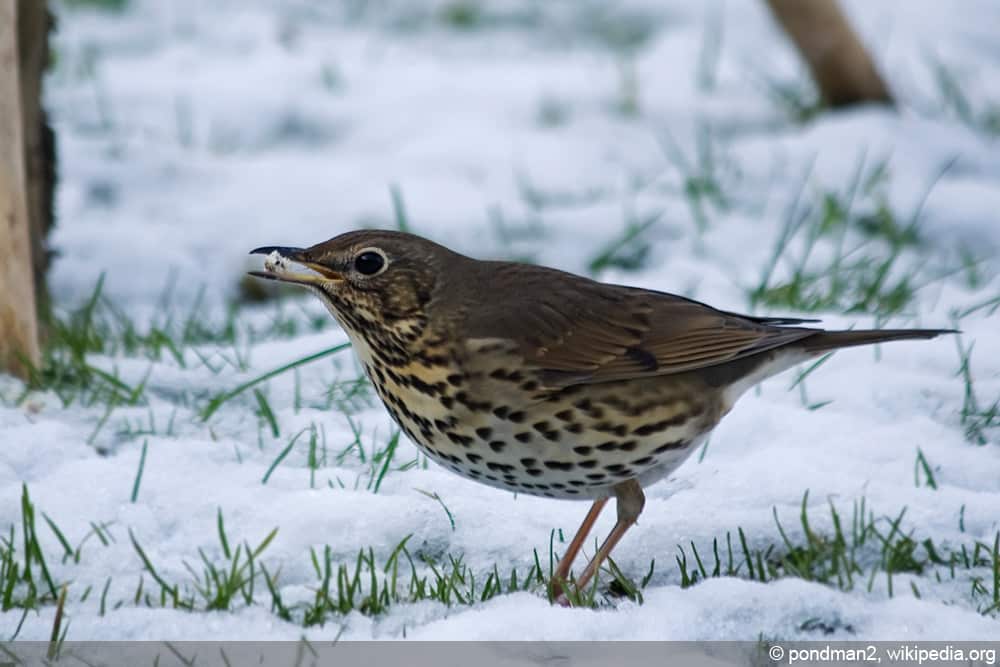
373	282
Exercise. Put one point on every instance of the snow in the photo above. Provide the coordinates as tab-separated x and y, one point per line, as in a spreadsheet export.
191	132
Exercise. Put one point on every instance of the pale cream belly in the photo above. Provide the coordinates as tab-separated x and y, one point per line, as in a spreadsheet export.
575	444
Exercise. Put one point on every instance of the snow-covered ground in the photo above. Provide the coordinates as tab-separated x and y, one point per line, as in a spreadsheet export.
191	131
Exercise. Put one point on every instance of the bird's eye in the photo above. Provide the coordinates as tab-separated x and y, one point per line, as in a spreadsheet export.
369	263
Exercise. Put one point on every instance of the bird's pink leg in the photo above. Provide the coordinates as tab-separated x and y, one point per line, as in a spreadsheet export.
566	562
630	501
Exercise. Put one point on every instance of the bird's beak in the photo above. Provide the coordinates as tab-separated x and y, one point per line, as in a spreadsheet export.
276	266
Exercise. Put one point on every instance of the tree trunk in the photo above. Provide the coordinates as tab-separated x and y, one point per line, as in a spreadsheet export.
841	67
18	315
33	25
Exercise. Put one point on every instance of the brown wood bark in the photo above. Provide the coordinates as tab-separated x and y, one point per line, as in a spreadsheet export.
842	68
33	25
18	316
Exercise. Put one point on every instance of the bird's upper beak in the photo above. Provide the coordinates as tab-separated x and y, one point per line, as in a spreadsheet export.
276	266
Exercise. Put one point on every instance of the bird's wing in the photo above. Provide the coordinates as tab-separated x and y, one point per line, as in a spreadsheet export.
572	330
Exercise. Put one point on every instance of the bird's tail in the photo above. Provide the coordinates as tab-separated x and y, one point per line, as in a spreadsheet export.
831	340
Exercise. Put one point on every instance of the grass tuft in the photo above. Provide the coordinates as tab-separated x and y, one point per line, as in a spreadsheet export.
979	421
954	100
856	254
222	398
215	584
855	555
371	587
630	250
26	581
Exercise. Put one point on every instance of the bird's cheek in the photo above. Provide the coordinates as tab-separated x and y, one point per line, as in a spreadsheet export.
399	303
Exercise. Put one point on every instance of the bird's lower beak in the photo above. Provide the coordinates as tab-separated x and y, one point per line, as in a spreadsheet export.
276	266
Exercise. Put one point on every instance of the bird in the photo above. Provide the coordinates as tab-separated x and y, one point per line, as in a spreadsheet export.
542	382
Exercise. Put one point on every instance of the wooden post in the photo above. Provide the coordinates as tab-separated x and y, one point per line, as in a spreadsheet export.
33	24
18	315
841	67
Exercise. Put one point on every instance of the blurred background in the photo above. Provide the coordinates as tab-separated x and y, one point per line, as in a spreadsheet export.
595	136
827	159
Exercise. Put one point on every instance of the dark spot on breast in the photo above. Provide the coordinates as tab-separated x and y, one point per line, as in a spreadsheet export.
455	379
608	446
557	485
596	475
644	461
475	406
502	412
484	432
573	428
608	427
582	451
589	463
673	444
497	445
530	385
508	376
547	432
648	429
527	463
523	436
421	386
447	402
431	360
614	468
516	417
441	425
558	465
474	458
460	439
577	482
628	446
564	415
534	472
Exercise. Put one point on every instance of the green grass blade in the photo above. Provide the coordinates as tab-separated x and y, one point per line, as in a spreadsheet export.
219	400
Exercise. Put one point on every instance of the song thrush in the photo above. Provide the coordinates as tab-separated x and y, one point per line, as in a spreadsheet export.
542	382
